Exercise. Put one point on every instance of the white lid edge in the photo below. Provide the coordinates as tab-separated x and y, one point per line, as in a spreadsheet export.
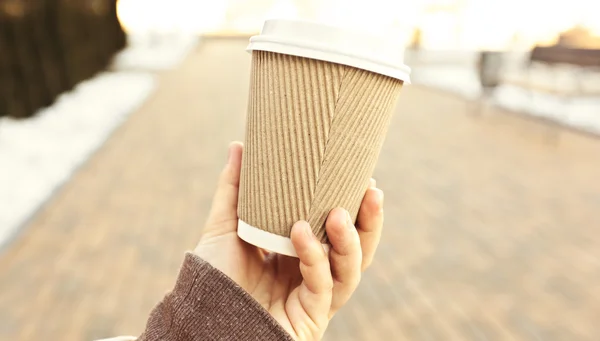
268	241
321	53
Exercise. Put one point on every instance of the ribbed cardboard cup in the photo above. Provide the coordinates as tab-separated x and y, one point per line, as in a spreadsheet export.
319	108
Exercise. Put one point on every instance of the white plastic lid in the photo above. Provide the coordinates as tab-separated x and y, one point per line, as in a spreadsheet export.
314	40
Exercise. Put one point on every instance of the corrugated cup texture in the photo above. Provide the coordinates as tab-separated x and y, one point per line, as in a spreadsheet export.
313	135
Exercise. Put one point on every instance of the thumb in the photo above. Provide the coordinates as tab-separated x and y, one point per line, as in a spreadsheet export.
223	214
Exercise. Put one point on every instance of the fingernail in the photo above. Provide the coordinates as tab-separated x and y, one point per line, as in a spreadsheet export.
379	198
348	220
229	154
372	182
308	231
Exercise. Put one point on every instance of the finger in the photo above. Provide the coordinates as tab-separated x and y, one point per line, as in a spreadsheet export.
345	256
316	288
370	224
225	201
289	277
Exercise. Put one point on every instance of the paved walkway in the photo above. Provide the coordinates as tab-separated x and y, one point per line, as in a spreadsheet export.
491	229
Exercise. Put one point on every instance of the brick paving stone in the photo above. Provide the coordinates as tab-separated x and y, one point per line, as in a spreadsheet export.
490	226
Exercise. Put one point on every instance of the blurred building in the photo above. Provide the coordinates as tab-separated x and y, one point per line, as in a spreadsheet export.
579	37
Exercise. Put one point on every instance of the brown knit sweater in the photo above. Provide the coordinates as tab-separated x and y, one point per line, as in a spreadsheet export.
207	305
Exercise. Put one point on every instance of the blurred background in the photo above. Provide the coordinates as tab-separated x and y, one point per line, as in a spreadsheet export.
115	118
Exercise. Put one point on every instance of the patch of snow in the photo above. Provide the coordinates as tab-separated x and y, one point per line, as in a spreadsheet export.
155	51
452	73
40	153
459	80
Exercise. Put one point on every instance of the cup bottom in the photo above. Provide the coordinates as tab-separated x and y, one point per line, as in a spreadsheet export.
267	240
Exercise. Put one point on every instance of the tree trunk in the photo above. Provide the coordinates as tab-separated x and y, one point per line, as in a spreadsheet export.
48	47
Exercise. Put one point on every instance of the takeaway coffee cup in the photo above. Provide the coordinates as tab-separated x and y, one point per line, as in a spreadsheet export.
321	100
